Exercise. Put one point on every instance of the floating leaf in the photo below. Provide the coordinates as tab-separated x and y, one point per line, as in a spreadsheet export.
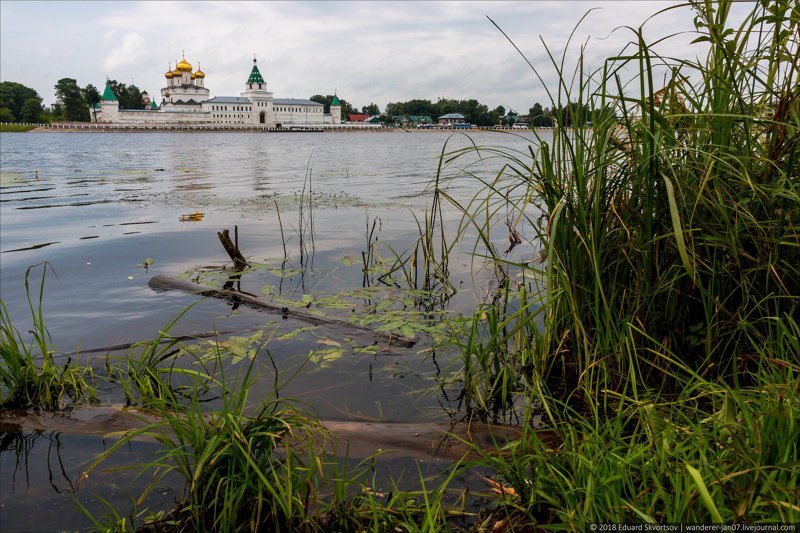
329	342
197	216
350	260
284	272
296	332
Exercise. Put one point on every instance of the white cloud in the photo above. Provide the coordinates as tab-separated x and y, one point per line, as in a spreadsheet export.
129	53
369	52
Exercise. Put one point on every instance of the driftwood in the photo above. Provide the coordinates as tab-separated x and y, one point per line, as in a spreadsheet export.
352	439
239	262
163	282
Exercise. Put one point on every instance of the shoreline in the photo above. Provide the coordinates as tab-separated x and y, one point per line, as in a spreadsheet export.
118	128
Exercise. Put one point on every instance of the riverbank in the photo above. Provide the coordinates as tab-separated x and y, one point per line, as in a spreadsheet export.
17	128
83	127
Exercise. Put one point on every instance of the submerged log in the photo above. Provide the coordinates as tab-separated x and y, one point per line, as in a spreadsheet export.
162	282
442	440
239	262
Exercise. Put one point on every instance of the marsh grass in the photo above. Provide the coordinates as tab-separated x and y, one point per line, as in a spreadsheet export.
257	465
29	373
666	266
162	372
667	226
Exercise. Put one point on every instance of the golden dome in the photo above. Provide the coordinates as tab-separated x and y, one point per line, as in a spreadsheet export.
169	74
176	73
184	65
199	73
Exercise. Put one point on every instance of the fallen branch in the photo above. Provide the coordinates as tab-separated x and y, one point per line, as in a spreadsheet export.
443	440
162	282
239	262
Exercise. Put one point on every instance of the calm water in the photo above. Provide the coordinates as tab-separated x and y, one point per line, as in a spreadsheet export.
96	206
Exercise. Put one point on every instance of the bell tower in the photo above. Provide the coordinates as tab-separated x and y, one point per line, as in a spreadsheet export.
260	98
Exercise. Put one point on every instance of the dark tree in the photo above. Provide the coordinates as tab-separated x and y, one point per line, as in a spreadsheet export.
91	95
14	95
538	117
70	98
326	100
129	96
371	109
31	110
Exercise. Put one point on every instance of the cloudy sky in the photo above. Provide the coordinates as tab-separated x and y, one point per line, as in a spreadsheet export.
368	52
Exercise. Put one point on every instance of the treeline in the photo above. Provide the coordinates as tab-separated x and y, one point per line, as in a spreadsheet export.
479	114
566	115
19	103
347	108
474	112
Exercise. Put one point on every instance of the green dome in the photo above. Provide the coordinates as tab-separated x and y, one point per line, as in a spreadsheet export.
336	101
255	75
108	94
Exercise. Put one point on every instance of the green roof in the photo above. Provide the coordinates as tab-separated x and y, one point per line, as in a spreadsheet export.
108	94
255	75
336	101
153	105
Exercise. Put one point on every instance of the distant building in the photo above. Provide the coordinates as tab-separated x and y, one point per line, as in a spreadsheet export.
451	118
357	118
186	100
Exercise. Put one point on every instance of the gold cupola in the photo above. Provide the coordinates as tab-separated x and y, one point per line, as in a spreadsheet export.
183	65
169	73
199	73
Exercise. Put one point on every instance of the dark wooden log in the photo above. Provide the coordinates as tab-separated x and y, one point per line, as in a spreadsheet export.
239	262
444	440
163	282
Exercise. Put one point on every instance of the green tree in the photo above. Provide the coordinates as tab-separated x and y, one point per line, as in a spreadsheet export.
14	95
129	96
371	109
70	97
6	115
539	117
91	95
326	100
31	110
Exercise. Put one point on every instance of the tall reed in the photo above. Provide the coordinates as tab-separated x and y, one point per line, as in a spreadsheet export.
669	222
29	373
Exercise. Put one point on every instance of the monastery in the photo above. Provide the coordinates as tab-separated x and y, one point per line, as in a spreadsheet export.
185	100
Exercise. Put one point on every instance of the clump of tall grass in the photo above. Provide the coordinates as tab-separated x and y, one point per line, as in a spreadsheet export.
257	466
667	268
669	222
29	374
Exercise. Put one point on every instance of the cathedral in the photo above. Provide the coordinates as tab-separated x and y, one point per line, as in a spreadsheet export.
186	100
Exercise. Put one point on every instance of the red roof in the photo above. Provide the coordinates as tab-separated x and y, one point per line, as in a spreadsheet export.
357	118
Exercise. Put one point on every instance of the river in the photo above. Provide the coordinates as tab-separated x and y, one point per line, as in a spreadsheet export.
107	211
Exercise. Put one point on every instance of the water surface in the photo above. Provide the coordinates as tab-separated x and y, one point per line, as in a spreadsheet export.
98	206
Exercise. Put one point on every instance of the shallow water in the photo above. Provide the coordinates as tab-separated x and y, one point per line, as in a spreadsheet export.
96	207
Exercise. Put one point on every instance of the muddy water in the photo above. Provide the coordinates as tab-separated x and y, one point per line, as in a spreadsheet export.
98	208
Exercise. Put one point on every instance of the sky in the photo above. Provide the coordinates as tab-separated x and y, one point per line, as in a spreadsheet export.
367	52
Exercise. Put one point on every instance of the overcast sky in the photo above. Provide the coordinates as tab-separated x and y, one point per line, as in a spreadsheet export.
368	52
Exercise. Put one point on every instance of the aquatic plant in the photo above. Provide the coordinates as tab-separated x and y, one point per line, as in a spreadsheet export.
667	266
29	374
667	224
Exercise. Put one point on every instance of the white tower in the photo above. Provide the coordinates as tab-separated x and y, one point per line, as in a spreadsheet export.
336	110
260	98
